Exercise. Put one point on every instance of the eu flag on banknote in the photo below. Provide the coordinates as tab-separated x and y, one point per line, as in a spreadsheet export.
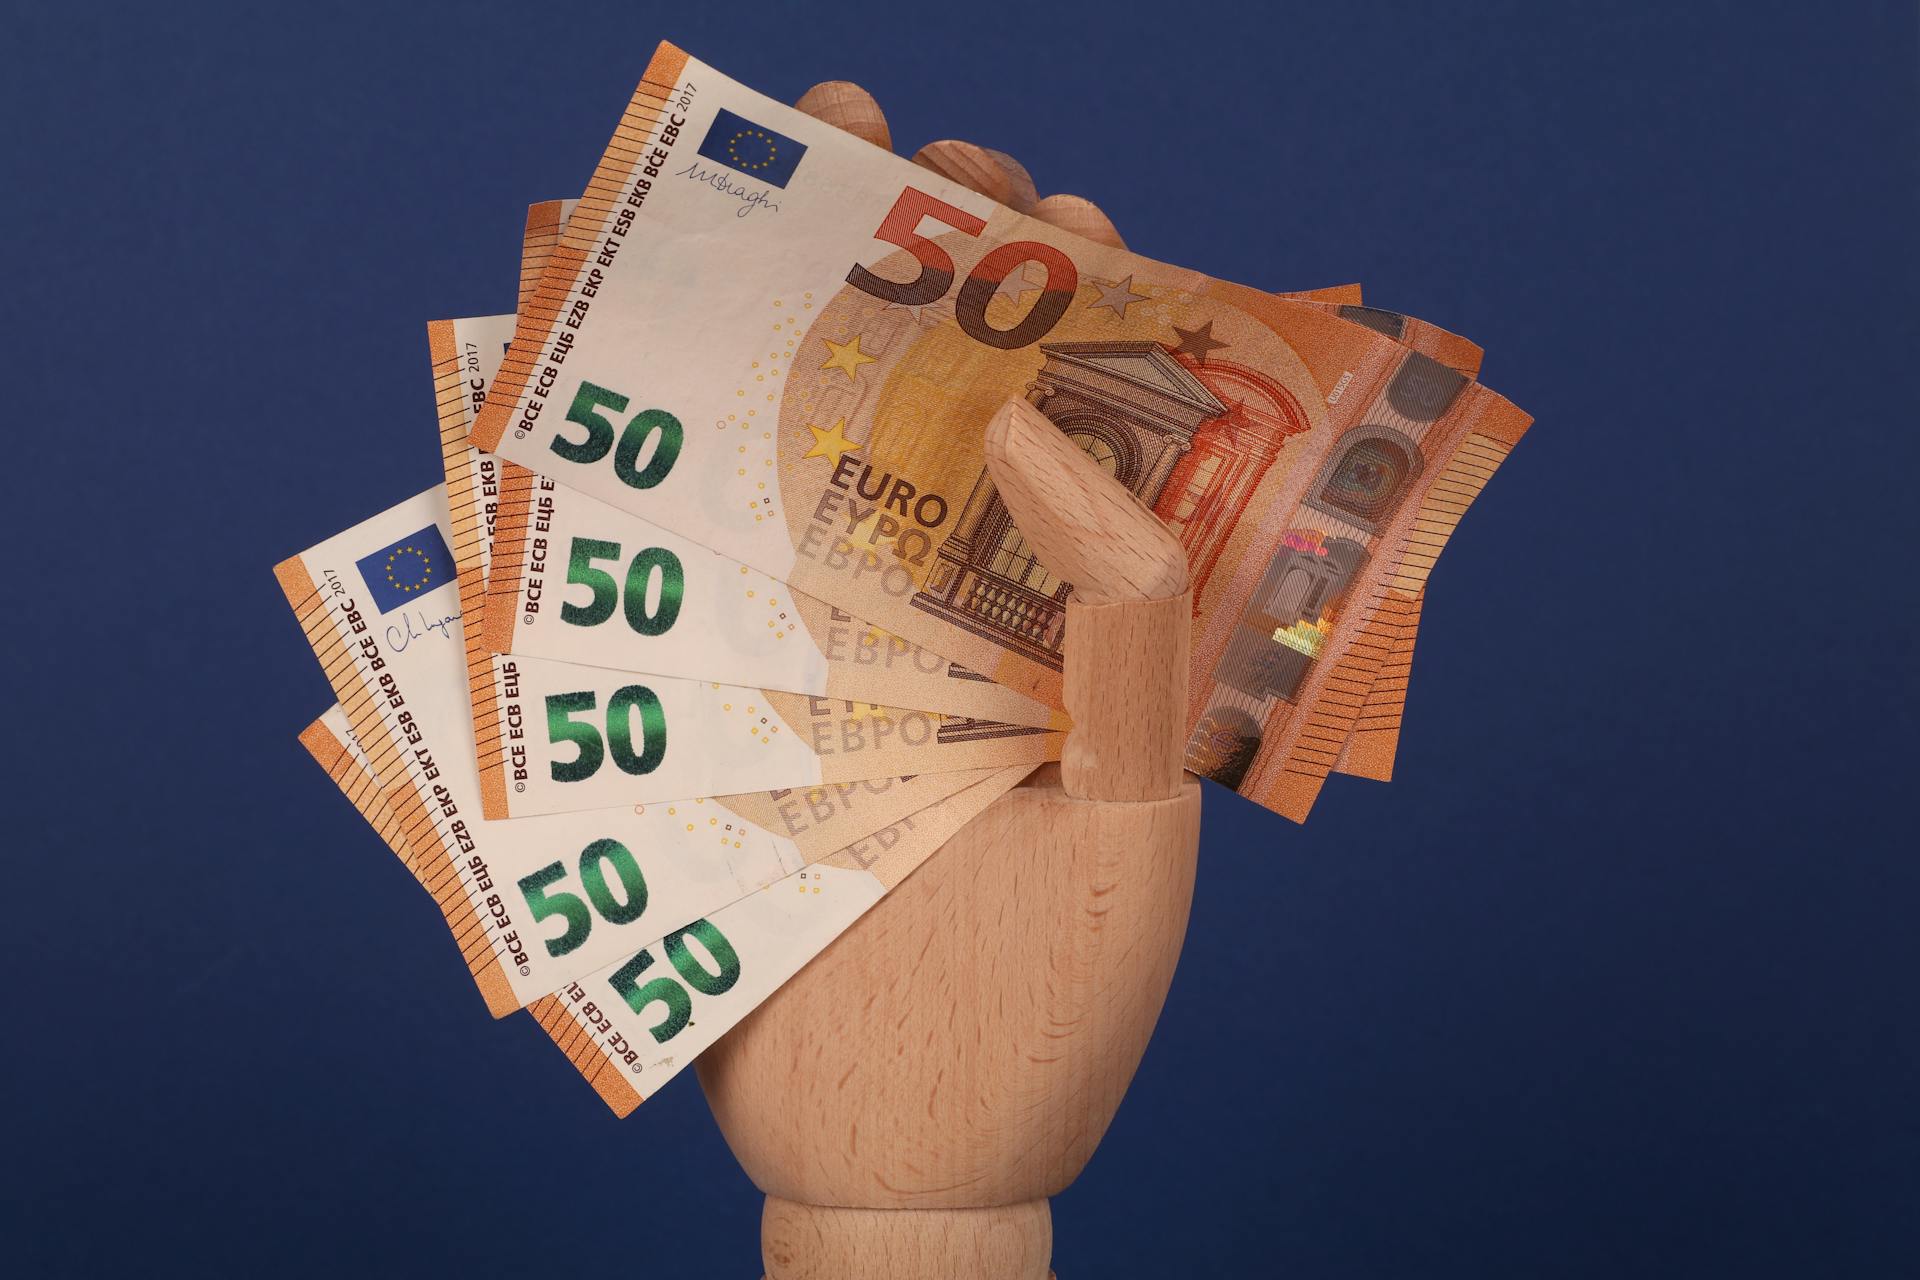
407	568
752	149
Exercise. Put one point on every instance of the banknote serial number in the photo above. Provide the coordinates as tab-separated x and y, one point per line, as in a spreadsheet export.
587	288
409	743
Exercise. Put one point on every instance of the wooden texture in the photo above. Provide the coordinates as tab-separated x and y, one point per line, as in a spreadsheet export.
1126	691
967	1041
845	105
910	1100
1088	528
973	167
815	1242
1022	193
1080	216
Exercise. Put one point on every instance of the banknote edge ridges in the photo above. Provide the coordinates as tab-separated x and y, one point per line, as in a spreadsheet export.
432	862
541	311
573	1039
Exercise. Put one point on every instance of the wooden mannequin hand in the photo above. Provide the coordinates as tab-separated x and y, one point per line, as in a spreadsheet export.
910	1099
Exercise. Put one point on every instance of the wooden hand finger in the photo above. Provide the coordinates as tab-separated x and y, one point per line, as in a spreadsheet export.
845	105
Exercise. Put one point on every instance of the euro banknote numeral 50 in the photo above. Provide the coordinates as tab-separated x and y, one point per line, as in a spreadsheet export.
655	426
543	900
593	749
693	973
901	226
648	613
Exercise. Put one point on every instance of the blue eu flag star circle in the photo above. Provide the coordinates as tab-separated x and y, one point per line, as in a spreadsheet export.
407	568
753	149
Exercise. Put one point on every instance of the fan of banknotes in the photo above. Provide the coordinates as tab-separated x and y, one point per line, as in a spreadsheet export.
715	627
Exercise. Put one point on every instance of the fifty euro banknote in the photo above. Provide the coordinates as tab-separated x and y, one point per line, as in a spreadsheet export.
831	653
1375	737
630	1027
1388	637
573	579
790	356
534	902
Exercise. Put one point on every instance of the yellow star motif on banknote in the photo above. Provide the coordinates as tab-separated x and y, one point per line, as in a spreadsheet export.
846	355
830	442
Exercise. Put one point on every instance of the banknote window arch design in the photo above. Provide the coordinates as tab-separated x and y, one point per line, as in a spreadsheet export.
1285	625
1391	323
1099	450
1217	480
1196	487
1307	585
1366	477
1223	745
1191	439
1012	558
1116	452
1423	389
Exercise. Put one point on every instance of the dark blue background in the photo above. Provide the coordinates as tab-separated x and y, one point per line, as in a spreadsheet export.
1618	977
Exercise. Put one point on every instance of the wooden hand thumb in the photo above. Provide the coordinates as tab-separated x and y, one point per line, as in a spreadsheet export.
1127	619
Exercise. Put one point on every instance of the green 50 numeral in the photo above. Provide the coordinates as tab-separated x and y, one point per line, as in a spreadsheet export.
645	619
649	424
562	727
693	973
544	901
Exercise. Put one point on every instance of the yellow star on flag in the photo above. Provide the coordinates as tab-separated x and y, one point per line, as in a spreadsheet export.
830	442
846	355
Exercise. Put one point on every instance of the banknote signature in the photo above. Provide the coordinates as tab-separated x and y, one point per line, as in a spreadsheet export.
750	198
416	628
